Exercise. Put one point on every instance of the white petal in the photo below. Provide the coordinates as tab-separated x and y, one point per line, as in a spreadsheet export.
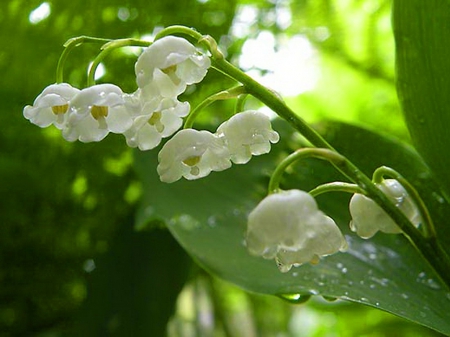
42	117
289	226
55	95
148	138
100	95
248	132
119	119
368	218
207	150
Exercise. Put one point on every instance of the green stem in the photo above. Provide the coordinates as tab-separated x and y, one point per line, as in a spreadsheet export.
176	29
107	49
428	225
325	154
336	186
68	47
225	94
240	103
273	101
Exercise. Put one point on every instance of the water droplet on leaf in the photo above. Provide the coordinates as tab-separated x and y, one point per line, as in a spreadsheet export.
295	298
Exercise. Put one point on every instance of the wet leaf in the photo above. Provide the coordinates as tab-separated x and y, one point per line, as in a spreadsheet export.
208	218
422	48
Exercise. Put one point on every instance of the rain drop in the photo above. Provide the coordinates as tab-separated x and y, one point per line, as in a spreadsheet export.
295	298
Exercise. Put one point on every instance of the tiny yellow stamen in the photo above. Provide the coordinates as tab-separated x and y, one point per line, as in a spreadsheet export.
60	109
155	120
192	161
170	69
99	111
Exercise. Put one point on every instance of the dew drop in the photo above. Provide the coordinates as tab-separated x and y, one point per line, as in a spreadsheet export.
295	298
212	221
405	296
329	298
438	197
433	284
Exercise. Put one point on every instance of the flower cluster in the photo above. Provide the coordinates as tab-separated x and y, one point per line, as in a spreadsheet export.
194	154
153	112
288	226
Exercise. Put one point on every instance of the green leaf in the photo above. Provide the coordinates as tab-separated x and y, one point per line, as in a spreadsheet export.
208	217
421	30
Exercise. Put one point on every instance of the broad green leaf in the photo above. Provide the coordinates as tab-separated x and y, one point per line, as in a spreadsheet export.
208	218
422	35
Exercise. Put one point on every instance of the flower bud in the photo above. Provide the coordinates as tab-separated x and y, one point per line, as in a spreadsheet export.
369	218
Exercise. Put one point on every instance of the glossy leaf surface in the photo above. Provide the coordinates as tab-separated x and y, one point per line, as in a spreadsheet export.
208	218
422	37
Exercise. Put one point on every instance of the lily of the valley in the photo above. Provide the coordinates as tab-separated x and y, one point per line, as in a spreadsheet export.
192	154
94	112
288	227
171	63
51	106
156	119
247	133
368	218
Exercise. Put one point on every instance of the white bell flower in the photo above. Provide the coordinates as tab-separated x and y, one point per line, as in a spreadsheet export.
192	154
369	218
51	106
288	227
156	122
247	133
95	111
173	63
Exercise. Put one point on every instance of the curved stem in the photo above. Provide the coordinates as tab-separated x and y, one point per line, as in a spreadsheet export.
428	225
326	154
222	95
177	29
69	45
240	103
336	186
107	48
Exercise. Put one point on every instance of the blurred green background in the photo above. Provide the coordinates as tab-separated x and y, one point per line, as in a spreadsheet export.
71	263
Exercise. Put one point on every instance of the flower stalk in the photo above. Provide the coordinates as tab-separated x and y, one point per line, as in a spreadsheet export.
69	45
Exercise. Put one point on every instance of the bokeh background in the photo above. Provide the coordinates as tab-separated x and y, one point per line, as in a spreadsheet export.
71	261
